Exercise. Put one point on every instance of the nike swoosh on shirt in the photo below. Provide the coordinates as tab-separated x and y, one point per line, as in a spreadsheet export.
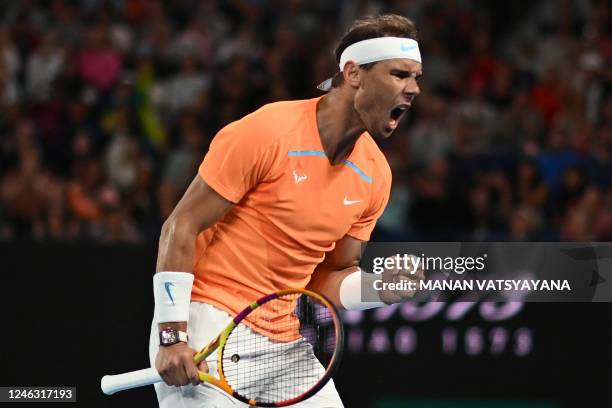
349	202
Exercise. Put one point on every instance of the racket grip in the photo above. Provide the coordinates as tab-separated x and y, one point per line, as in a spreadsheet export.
110	384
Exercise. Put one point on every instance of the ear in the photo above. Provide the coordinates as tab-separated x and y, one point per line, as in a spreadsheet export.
352	74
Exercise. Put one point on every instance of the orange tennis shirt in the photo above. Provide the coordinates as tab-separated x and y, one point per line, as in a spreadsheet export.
291	204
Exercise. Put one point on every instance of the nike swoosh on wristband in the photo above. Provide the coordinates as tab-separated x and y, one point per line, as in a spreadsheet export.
349	202
167	286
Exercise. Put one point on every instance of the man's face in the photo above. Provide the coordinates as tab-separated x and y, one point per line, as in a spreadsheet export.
385	93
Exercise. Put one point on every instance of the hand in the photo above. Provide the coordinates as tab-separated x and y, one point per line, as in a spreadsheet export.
176	366
397	275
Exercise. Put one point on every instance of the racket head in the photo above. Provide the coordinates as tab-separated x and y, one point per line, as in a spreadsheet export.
282	349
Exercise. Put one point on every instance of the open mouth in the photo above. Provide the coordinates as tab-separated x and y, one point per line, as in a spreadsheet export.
396	115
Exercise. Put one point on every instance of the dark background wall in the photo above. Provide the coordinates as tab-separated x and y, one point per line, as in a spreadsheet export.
74	313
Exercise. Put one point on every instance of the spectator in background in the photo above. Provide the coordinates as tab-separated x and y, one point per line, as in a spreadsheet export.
44	66
195	42
121	159
483	67
116	223
579	221
474	119
525	225
556	157
530	189
100	63
84	199
142	204
9	67
546	94
182	90
571	190
155	35
430	137
490	207
521	127
602	221
482	214
33	197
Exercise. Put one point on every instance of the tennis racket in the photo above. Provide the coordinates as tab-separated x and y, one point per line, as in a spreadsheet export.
280	350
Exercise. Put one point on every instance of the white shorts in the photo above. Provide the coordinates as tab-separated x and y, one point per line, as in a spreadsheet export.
205	322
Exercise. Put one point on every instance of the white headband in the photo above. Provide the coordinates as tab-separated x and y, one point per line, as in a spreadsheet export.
377	49
381	48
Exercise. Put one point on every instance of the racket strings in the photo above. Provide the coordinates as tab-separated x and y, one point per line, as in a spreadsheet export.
281	351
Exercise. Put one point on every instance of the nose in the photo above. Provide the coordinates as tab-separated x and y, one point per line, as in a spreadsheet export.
412	88
416	89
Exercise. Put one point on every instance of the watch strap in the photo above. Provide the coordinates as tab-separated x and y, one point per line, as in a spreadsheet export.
182	336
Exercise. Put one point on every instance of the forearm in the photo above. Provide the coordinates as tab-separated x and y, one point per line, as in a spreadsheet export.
176	246
175	254
329	282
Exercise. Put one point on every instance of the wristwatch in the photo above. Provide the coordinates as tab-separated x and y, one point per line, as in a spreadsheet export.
169	336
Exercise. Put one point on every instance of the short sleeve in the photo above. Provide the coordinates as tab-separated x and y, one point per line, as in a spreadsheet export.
240	156
362	229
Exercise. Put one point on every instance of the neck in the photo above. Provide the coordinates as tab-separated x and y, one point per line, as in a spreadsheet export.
338	123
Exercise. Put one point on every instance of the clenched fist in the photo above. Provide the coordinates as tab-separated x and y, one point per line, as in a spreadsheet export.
401	277
176	366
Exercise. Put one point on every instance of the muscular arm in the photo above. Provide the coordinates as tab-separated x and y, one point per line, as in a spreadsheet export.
199	209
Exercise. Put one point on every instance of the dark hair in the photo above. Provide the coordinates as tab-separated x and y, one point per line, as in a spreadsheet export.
385	25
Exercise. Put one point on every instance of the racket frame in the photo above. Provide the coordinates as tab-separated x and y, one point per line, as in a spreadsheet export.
221	339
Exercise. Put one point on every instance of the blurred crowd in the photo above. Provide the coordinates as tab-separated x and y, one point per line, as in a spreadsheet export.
107	108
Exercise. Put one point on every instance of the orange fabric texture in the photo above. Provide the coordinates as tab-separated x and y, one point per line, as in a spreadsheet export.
291	204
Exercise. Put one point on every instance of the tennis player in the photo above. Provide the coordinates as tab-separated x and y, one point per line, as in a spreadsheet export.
286	197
